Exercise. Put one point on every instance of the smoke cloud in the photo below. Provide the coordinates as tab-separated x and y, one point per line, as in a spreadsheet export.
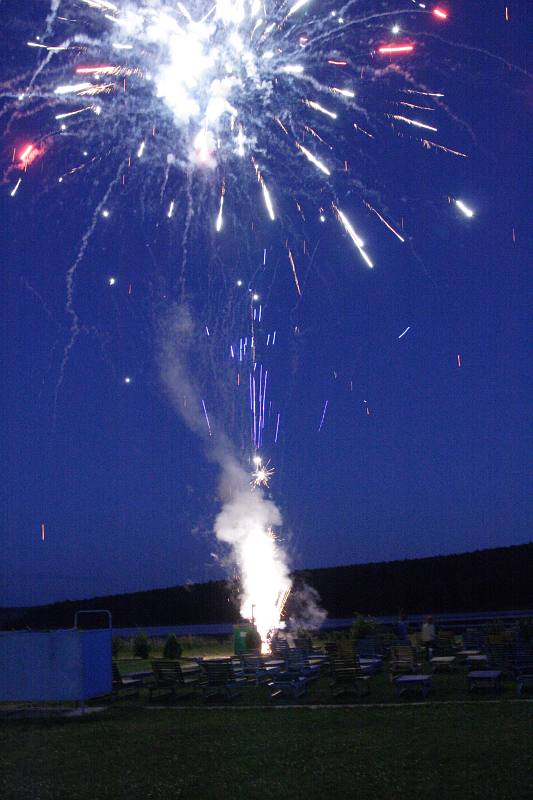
248	519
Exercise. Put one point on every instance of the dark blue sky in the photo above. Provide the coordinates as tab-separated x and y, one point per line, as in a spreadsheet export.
440	464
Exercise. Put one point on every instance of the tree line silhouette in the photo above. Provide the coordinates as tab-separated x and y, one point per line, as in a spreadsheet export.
499	579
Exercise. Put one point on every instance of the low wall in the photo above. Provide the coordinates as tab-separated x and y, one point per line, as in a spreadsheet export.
55	665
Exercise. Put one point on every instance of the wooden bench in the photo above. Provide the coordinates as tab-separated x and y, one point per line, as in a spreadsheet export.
131	686
348	676
403	660
173	677
221	678
255	668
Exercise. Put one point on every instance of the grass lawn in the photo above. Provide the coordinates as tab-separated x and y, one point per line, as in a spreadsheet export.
460	751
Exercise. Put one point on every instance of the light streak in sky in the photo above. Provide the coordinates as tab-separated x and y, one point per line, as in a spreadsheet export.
414	122
395	48
323	415
317	107
24	156
313	159
191	95
15	188
296	7
356	239
464	208
293	266
384	221
268	201
42	531
404	332
218	224
72	88
206	418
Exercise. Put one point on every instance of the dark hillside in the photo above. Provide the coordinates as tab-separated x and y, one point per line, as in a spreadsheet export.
485	580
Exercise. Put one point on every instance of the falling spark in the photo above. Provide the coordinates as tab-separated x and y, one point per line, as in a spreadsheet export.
282	126
42	531
440	13
296	7
323	416
358	242
414	122
425	94
206	418
24	156
72	88
429	144
459	359
404	332
218	225
464	208
318	107
73	113
50	48
170	209
15	188
384	221
313	159
343	92
293	69
268	201
291	259
396	48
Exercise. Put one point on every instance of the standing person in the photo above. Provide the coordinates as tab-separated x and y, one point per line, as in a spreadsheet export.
428	635
402	627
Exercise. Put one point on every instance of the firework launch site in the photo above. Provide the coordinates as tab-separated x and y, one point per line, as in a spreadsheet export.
402	705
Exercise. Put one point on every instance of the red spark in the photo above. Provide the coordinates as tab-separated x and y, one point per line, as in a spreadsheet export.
459	360
42	531
26	153
440	13
337	63
396	48
28	156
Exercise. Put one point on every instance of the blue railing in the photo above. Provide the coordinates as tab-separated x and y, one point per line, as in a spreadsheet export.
457	620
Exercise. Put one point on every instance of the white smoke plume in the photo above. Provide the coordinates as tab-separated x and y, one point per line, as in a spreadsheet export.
247	519
246	524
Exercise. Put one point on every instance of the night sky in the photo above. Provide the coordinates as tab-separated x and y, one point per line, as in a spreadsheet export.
426	443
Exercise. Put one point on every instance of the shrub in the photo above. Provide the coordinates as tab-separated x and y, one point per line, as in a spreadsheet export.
172	647
362	626
141	646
